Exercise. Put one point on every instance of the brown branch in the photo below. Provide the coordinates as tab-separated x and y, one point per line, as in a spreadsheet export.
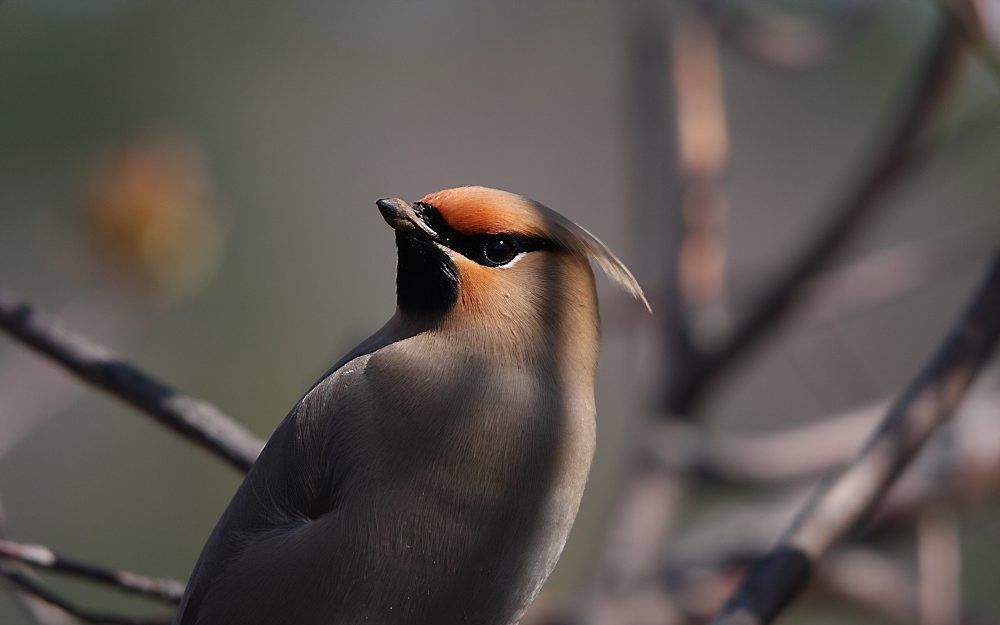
193	419
892	158
848	501
40	556
29	586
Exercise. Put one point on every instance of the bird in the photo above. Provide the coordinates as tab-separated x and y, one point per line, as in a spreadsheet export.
431	476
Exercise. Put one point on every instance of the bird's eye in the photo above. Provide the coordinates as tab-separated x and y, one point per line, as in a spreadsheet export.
499	251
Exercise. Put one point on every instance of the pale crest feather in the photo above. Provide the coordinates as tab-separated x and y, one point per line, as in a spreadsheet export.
579	239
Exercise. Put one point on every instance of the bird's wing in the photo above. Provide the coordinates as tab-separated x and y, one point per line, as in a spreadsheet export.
296	479
285	488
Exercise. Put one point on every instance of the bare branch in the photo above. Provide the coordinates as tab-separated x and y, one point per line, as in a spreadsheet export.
40	556
848	501
193	419
28	585
849	215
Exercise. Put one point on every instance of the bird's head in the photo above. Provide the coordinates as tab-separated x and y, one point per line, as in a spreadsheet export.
475	253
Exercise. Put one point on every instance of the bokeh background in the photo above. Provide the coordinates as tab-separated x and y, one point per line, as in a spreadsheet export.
193	185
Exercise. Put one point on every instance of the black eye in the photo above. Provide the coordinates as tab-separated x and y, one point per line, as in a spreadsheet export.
499	251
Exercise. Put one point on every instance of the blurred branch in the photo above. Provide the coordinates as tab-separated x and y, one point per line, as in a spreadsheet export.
980	22
34	608
699	258
886	275
30	586
783	40
193	419
660	228
865	578
859	577
791	454
958	470
805	451
650	500
939	565
32	392
849	215
40	556
849	500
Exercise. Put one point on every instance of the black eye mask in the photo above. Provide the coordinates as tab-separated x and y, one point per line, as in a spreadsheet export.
490	250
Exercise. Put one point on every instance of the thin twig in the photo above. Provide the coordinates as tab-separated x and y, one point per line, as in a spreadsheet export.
28	585
34	608
848	501
40	556
854	211
194	419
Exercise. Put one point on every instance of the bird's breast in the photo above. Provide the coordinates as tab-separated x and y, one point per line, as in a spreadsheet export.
479	470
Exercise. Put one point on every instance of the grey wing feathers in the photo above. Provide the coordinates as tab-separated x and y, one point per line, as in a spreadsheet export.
296	479
290	484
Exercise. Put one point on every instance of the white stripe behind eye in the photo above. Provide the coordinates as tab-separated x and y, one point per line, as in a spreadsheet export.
512	261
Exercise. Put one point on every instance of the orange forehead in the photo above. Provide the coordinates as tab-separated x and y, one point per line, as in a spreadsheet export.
481	210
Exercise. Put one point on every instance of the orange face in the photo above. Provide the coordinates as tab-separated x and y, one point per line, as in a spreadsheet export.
519	281
487	251
479	218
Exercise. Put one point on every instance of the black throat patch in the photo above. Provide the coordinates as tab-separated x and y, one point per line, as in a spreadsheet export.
426	279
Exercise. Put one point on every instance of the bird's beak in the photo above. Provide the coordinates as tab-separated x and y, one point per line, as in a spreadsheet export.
400	215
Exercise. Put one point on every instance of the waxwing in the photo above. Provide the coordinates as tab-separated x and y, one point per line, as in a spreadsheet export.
432	475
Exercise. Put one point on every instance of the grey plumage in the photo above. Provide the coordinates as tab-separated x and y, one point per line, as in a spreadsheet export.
432	476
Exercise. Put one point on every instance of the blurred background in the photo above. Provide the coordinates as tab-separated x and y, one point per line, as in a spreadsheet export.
193	185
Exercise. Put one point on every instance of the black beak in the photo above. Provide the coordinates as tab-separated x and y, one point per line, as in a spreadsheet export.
402	218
